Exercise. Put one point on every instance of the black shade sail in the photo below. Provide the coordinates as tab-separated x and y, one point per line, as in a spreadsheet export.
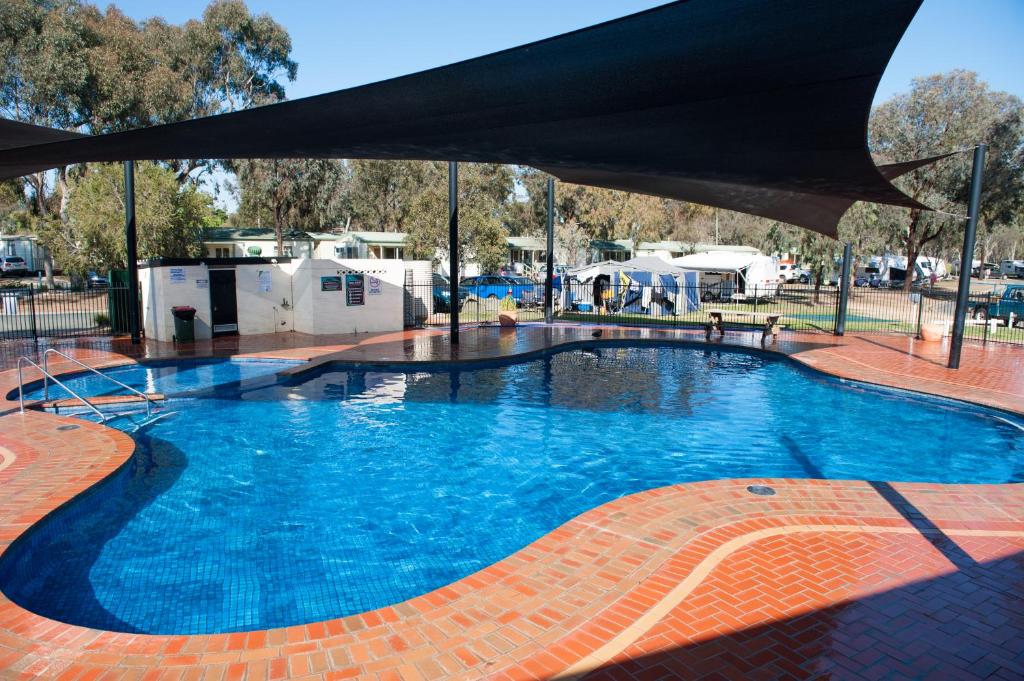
15	134
753	105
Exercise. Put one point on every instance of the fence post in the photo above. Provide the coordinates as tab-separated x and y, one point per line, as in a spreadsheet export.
32	307
988	302
920	311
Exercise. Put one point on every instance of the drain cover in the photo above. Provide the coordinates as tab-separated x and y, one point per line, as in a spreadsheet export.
67	426
761	490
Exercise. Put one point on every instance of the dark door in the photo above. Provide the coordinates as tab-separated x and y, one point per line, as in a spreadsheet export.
222	303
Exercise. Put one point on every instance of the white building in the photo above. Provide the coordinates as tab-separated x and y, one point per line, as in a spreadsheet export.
26	246
277	295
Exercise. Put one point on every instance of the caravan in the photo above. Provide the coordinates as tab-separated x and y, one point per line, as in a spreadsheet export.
726	275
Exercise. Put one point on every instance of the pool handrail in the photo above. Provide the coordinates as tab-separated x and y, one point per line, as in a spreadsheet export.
48	351
48	376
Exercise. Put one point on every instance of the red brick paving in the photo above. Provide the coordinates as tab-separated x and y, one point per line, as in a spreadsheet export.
844	605
828	578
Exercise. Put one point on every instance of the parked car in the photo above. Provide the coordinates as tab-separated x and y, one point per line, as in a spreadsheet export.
496	286
442	294
1009	305
96	280
787	272
13	265
989	268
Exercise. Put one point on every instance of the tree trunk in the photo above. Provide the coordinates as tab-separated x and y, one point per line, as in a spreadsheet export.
913	248
38	182
278	228
48	269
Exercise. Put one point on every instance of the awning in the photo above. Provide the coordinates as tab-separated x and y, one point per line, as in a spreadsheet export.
755	106
719	261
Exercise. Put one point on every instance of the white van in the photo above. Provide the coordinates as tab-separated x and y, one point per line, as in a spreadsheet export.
1012	268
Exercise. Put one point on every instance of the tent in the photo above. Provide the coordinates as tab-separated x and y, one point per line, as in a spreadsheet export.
637	286
726	275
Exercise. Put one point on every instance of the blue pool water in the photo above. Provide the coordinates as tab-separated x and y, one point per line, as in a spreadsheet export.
167	377
262	503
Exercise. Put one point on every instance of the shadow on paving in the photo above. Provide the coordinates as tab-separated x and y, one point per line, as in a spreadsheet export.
968	624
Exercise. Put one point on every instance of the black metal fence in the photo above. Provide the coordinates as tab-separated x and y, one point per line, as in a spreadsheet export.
801	307
35	311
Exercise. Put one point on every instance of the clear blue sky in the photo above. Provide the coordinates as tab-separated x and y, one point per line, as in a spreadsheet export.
342	43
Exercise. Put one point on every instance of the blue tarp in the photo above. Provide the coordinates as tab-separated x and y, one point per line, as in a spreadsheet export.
692	294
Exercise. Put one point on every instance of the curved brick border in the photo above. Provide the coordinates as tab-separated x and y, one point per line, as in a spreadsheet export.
549	606
535	613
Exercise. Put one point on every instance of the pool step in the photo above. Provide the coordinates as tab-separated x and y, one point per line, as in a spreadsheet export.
99	401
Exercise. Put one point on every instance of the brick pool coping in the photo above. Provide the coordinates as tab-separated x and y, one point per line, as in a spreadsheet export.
586	595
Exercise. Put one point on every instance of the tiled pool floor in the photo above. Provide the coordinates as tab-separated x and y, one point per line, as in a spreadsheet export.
845	579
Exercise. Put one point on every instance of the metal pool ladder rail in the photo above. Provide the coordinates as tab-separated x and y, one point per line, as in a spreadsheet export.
47	377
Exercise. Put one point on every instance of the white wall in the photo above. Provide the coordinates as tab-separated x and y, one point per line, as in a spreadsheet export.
326	312
160	294
295	301
262	311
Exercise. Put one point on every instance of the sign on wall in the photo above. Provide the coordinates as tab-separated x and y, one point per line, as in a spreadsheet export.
355	289
265	281
202	283
177	275
374	286
330	283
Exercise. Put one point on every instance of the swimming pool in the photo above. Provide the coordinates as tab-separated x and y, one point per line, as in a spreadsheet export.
261	502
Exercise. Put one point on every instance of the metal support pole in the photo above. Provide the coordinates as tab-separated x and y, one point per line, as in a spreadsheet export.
844	289
550	275
453	248
967	258
133	253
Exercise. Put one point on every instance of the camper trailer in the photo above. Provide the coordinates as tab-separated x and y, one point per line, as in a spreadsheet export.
891	270
726	275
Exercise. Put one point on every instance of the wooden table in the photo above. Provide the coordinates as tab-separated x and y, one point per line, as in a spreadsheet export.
768	321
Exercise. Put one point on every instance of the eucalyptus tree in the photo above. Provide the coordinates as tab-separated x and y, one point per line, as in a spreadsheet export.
947	113
172	218
484	190
291	193
66	64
